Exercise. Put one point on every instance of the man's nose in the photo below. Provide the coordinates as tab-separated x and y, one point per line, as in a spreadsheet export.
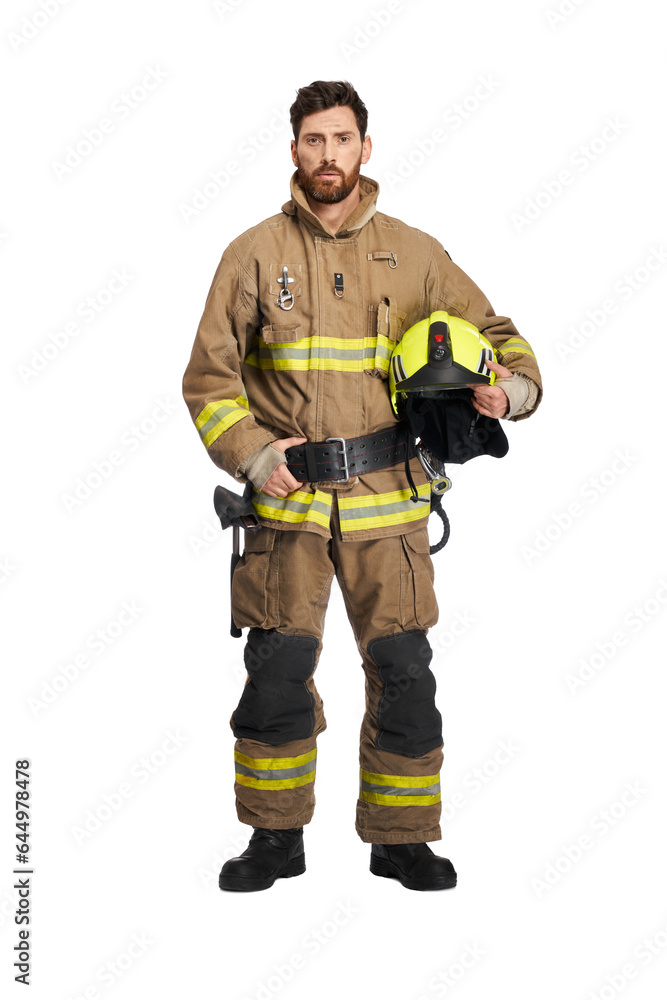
329	152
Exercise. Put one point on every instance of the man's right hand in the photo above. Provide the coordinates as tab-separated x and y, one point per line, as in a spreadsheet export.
282	482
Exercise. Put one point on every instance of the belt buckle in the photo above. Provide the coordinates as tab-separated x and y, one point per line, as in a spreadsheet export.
343	451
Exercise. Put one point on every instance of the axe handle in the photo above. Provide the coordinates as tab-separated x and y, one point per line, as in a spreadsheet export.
234	631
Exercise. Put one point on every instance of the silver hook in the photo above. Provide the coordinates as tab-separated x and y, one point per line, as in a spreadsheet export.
395	264
285	294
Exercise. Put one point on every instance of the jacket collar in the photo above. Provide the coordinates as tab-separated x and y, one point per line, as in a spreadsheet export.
358	217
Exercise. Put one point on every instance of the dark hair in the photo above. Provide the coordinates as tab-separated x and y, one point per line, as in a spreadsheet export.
324	94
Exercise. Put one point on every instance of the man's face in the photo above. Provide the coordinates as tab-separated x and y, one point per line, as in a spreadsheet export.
329	153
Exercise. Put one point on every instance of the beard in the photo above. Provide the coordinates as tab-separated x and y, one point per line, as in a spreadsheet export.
324	191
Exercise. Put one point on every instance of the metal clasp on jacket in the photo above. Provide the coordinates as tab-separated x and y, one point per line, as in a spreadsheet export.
343	451
285	296
393	257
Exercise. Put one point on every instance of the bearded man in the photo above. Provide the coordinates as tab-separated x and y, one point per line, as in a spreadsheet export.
287	386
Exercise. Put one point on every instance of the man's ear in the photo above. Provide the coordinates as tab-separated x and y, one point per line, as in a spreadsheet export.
295	158
366	149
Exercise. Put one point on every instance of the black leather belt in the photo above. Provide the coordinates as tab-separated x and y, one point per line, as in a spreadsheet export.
338	459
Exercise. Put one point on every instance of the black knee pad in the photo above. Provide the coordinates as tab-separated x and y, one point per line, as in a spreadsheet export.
276	705
408	721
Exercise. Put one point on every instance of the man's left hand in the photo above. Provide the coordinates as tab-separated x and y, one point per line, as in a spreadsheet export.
491	400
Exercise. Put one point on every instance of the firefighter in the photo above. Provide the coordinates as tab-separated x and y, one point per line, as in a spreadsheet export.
287	385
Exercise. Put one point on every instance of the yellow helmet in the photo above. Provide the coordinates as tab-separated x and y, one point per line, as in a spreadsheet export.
430	372
441	352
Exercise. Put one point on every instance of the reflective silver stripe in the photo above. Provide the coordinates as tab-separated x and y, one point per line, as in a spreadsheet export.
296	353
219	415
224	409
381	510
366	786
274	774
280	503
516	345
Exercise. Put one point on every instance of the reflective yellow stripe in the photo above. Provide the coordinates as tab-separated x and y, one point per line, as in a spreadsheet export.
382	509
516	345
304	779
218	416
273	774
345	354
274	763
394	789
398	780
399	800
356	513
296	508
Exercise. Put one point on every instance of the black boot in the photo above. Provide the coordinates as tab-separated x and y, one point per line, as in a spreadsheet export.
414	865
271	854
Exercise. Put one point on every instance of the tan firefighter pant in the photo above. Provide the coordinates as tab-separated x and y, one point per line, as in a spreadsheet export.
280	591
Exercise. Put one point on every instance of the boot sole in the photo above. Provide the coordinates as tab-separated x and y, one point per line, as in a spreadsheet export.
239	883
385	869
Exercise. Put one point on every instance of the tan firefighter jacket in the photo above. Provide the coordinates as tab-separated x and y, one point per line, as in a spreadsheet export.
259	372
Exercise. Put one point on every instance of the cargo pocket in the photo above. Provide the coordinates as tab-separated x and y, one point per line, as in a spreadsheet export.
418	602
254	594
385	326
271	293
273	334
275	275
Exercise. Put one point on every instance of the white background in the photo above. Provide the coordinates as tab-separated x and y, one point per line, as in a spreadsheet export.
557	553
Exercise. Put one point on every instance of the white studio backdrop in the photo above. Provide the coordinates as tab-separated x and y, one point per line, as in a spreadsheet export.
139	139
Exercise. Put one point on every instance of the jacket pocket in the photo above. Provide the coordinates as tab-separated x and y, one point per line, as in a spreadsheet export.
254	596
275	284
418	602
275	334
385	324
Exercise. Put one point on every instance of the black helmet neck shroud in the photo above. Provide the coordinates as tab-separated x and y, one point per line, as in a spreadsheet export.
451	428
